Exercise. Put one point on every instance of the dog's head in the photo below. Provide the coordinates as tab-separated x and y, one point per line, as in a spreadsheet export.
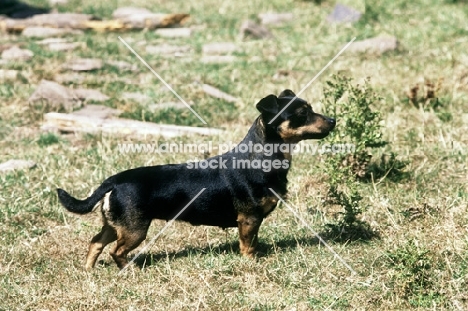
292	118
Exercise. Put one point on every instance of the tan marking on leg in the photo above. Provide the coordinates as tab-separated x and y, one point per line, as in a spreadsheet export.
248	233
127	240
106	236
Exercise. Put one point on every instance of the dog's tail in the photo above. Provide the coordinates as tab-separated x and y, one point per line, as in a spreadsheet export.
84	206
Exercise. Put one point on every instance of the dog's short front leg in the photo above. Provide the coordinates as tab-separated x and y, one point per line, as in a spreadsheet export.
248	233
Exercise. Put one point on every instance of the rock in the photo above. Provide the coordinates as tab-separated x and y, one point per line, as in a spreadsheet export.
123	65
168	105
217	93
251	29
144	20
44	32
87	94
55	96
210	59
54	20
465	118
6	46
167	49
377	45
73	77
127	11
174	32
13	164
15	53
6	74
116	126
84	64
275	18
153	20
344	14
282	74
58	20
51	41
136	96
57	2
219	48
65	46
98	111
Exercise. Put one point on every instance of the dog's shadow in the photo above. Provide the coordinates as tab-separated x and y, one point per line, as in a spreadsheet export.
263	250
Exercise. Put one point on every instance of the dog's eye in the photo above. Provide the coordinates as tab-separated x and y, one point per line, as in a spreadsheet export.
303	112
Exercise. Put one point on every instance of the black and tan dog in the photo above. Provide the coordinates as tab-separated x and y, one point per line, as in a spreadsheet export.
236	191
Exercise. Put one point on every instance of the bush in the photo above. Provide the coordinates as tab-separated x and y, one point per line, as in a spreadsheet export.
359	123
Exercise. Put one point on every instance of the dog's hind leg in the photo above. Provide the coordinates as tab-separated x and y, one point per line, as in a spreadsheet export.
127	240
248	233
106	236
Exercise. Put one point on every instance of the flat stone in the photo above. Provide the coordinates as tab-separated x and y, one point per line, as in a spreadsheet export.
70	77
251	29
98	111
48	41
55	96
127	11
144	20
44	32
167	49
6	74
217	93
376	45
168	105
12	165
465	118
6	46
344	14
174	32
88	94
136	96
123	65
59	20
211	59
84	64
275	18
57	2
282	74
219	48
65	46
15	53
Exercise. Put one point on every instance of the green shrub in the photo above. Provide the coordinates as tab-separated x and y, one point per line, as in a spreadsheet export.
359	123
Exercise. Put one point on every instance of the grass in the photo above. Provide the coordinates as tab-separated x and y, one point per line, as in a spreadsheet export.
419	260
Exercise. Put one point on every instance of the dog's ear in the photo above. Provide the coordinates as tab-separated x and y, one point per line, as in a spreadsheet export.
268	105
287	93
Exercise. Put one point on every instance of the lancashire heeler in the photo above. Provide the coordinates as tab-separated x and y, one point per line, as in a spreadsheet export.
234	196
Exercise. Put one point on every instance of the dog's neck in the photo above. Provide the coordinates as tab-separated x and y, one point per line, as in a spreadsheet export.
259	133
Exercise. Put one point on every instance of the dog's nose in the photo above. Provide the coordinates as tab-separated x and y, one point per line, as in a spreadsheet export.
332	121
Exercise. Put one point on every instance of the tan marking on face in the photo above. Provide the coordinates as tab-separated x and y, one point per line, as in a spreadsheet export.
295	135
288	134
268	203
